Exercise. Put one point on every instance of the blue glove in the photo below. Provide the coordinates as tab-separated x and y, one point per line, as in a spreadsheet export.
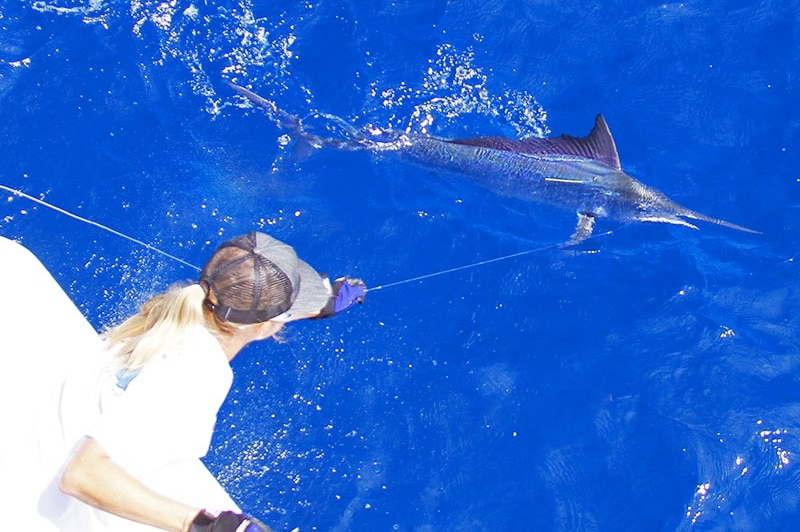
346	291
227	522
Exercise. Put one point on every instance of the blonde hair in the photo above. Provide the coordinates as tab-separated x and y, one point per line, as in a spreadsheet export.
161	325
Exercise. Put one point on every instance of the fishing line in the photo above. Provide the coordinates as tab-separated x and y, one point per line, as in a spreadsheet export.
95	224
480	263
38	201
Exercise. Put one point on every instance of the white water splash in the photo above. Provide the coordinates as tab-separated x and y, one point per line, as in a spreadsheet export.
211	42
91	11
454	86
216	42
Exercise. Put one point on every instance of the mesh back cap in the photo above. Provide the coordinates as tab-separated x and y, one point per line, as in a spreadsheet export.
257	278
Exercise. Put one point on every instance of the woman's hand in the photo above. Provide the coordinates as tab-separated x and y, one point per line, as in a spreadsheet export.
227	522
346	291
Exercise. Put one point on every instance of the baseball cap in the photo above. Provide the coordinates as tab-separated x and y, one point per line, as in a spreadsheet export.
257	278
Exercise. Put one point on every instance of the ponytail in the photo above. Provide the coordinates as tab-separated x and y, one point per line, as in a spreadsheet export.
160	325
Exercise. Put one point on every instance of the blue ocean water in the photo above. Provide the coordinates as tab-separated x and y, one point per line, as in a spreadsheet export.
646	381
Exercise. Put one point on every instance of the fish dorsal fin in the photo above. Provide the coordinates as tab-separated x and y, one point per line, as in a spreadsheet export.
598	145
602	144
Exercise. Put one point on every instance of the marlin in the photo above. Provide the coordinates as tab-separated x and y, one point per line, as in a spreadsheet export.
583	174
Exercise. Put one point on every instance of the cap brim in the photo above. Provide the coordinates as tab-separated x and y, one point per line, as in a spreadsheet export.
312	296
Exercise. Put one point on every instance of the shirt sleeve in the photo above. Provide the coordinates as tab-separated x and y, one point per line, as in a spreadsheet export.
168	412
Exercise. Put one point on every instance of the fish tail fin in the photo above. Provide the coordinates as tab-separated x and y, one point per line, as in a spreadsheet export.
351	138
281	118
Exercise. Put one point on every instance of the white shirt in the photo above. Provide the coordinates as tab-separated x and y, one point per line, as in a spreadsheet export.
55	389
161	424
168	411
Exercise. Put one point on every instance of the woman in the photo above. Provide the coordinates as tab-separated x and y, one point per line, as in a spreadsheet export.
153	397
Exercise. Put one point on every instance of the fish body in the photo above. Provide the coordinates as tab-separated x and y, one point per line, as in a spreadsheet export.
578	173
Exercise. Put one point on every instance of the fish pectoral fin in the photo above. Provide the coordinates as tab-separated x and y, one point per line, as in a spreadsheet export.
583	230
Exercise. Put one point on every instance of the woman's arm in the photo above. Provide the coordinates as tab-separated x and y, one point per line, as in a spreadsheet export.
95	479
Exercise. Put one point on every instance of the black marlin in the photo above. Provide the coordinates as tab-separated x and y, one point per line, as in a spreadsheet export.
580	173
